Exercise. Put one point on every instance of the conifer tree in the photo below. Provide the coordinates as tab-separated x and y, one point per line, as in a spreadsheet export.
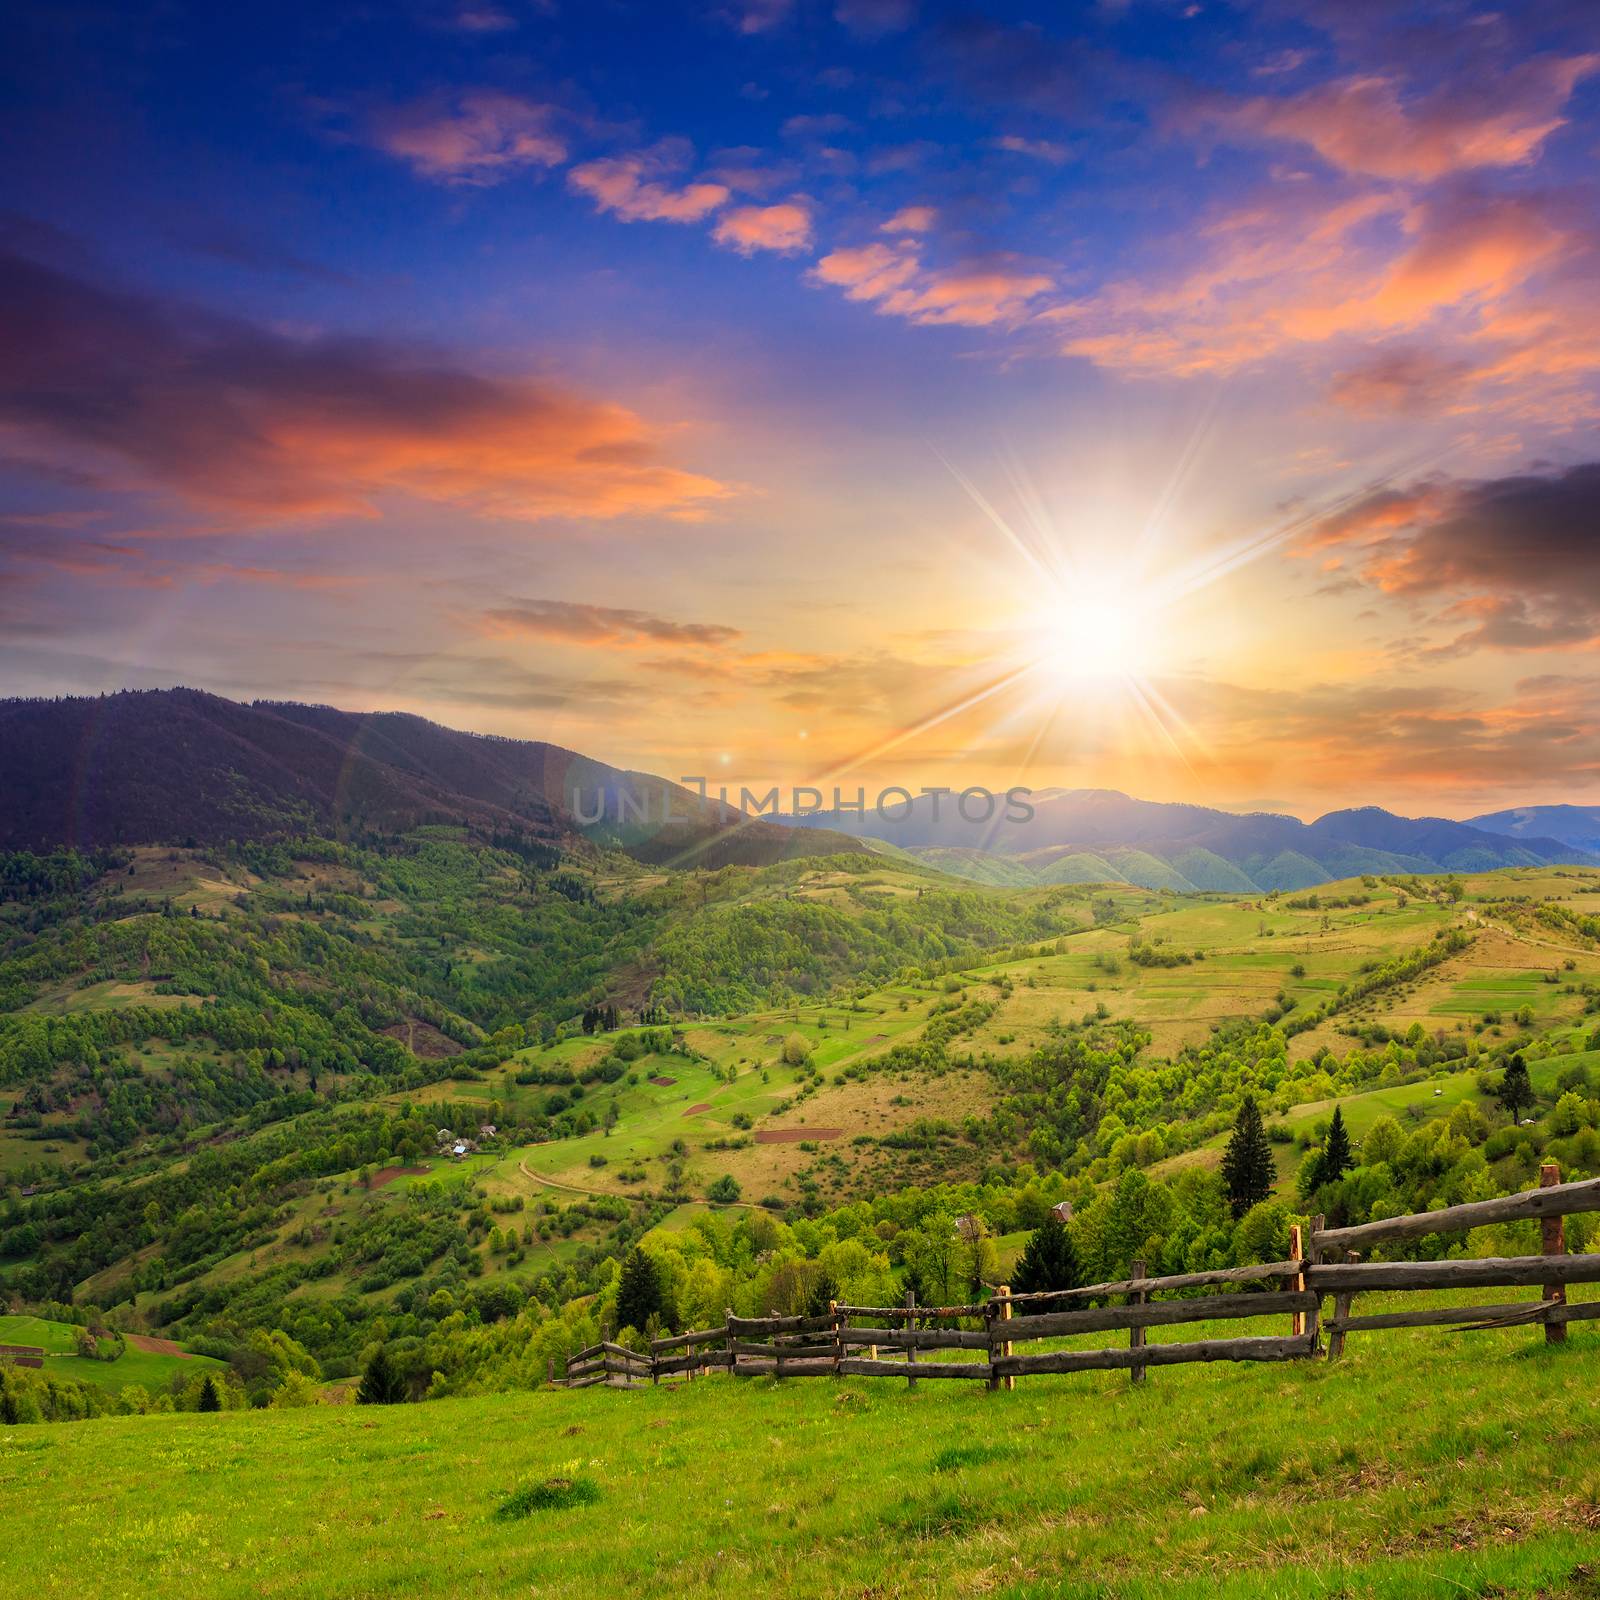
639	1293
1336	1157
1048	1260
382	1384
1516	1088
210	1400
1247	1169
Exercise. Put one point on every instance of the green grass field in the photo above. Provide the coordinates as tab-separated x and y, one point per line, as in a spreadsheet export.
57	1339
1424	1465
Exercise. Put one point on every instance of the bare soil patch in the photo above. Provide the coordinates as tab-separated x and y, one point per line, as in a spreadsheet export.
423	1039
694	1111
795	1135
156	1347
388	1174
663	1083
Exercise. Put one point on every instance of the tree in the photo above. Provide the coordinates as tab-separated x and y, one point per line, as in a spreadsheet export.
1336	1157
382	1384
209	1400
796	1050
1332	1161
1516	1088
1048	1260
725	1190
639	1293
1247	1170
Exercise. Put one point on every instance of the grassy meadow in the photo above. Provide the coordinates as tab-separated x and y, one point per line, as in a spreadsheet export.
152	1369
1423	1465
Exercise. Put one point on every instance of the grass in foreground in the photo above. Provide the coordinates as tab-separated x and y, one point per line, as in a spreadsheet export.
1424	1465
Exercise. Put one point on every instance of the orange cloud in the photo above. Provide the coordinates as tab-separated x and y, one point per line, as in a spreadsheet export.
605	627
785	228
911	219
1362	124
150	394
972	294
1457	267
479	137
637	187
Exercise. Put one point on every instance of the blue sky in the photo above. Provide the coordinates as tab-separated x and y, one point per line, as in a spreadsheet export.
1190	397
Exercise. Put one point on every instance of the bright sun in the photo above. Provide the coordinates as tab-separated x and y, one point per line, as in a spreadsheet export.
1095	635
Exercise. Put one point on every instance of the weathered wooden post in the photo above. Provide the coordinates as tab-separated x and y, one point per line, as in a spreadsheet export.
1313	1322
1297	1252
1136	1335
1341	1312
838	1335
1553	1241
733	1355
911	1349
1005	1316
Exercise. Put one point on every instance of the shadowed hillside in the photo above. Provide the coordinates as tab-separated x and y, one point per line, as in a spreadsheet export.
182	766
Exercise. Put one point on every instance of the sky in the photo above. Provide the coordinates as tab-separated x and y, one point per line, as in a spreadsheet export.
1192	398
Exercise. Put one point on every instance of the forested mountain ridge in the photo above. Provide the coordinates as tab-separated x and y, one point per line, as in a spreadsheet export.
180	766
1101	835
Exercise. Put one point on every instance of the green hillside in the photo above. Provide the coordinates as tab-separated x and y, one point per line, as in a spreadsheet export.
1423	1466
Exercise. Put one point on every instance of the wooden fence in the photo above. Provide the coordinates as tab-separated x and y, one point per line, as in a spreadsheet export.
978	1342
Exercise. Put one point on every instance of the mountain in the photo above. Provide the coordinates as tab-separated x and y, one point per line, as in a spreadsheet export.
1104	836
1578	826
177	765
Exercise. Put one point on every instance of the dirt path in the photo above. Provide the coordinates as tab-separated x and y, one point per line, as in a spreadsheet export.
617	1194
156	1347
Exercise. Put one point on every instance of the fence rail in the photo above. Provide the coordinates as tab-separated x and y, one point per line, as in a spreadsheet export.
977	1342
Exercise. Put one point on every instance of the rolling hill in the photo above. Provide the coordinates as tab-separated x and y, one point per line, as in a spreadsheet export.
181	766
1101	835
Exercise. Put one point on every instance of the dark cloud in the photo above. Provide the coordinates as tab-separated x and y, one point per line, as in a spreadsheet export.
1518	558
150	393
243	247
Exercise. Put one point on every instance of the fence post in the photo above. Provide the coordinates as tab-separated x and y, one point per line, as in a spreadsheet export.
1313	1321
1341	1310
727	1339
911	1349
1553	1239
1005	1316
1297	1252
550	1369
1136	1335
838	1336
998	1311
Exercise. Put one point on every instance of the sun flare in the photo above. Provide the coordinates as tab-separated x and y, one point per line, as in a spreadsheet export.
1095	634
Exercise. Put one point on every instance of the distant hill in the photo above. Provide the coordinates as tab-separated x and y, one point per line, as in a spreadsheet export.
180	765
1574	825
1104	836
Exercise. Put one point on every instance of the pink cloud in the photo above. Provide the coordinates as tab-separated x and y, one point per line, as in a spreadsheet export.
1364	125
972	294
479	137
785	228
637	187
911	219
1040	149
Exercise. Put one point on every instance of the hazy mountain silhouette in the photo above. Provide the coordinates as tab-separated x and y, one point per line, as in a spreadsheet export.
180	765
1098	835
